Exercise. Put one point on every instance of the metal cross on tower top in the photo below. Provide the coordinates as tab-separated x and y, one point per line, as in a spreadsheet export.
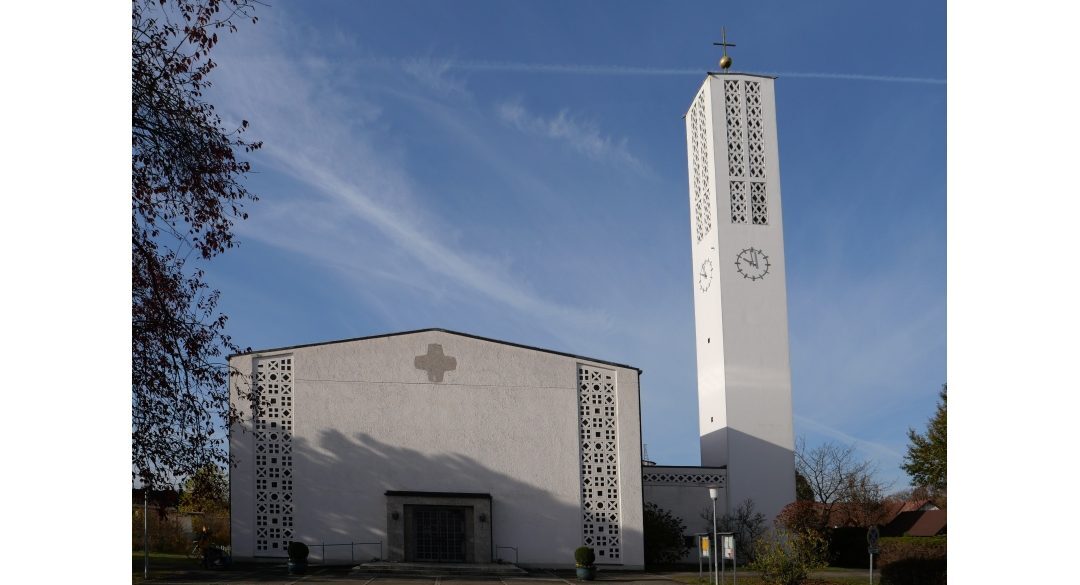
725	61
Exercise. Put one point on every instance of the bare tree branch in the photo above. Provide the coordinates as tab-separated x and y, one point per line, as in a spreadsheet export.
187	192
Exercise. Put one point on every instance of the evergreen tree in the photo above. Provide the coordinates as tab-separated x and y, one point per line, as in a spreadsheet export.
925	460
803	490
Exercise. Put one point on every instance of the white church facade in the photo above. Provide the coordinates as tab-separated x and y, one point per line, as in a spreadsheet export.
439	446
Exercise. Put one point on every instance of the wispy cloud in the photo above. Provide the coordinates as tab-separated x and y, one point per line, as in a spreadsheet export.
355	183
885	458
582	69
434	73
580	135
881	450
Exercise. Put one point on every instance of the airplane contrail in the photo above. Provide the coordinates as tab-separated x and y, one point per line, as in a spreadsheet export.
571	69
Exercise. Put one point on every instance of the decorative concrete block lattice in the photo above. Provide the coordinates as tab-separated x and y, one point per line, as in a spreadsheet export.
755	130
273	456
601	523
736	135
684	478
699	146
738	201
746	150
758	206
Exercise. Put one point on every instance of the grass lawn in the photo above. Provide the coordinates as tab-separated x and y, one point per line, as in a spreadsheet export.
166	566
827	576
170	564
161	564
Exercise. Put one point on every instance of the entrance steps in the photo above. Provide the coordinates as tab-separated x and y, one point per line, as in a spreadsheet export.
435	569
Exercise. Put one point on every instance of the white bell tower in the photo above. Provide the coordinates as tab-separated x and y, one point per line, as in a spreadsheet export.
740	293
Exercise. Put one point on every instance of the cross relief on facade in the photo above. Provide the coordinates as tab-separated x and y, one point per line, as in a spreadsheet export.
435	362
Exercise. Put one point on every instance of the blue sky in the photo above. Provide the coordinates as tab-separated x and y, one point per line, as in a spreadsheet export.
517	170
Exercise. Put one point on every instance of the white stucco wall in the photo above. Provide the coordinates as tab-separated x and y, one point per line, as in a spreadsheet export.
684	491
504	422
741	325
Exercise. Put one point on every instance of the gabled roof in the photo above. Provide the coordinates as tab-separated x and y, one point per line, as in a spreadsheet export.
896	507
551	351
917	523
855	514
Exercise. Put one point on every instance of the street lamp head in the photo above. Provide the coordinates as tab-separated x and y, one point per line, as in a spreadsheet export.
714	492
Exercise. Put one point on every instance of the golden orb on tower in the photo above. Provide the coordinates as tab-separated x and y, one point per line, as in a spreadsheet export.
725	61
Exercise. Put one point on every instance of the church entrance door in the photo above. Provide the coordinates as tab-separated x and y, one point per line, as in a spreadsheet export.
437	533
438	527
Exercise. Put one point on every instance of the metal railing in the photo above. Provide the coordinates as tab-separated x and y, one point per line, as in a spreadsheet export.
352	549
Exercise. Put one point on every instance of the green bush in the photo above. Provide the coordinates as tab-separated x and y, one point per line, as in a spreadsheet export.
584	556
896	548
787	558
167	535
298	551
914	571
171	533
664	542
913	560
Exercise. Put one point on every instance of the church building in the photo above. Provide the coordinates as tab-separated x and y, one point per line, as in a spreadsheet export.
438	446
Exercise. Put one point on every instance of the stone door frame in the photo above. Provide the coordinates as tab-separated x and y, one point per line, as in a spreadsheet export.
478	521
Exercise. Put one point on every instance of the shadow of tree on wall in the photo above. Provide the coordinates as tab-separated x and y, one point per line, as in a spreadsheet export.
339	494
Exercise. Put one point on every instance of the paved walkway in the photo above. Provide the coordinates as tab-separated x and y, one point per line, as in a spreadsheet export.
277	575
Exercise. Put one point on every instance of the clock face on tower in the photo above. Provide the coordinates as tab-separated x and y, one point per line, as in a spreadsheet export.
752	263
705	275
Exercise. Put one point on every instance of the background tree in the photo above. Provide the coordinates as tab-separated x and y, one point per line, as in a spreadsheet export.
925	460
206	491
205	499
799	516
747	523
186	194
664	542
913	493
803	491
844	486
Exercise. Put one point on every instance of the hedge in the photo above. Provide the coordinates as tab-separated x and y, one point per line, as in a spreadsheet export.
913	560
847	548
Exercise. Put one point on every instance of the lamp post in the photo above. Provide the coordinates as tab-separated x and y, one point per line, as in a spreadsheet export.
714	492
145	532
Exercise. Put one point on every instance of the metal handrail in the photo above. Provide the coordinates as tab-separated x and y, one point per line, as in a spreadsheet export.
352	549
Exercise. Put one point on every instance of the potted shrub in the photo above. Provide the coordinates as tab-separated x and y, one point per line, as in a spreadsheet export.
298	553
585	560
216	557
